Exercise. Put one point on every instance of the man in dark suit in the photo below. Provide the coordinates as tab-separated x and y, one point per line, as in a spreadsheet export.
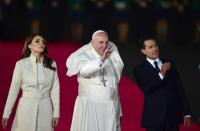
165	102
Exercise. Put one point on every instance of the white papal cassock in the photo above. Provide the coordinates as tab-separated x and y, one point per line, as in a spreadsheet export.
97	106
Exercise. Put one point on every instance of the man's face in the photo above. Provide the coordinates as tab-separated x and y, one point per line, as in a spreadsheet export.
150	49
100	43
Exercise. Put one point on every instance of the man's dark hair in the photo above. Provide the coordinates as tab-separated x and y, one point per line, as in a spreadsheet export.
144	38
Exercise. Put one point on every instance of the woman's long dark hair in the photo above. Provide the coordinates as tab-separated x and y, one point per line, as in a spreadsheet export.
47	62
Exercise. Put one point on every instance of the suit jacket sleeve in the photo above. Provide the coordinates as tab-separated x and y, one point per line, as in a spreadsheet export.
55	94
182	95
147	81
14	90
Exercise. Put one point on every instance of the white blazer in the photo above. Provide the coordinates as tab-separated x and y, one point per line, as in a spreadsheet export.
35	103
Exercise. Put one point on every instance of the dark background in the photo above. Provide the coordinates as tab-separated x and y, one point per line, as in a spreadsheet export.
176	23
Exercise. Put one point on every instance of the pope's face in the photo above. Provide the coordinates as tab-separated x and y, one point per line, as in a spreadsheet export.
100	43
150	49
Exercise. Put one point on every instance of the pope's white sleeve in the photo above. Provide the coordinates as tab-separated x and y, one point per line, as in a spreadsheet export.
91	67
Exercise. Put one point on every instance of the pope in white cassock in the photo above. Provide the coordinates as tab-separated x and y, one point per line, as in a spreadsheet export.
98	67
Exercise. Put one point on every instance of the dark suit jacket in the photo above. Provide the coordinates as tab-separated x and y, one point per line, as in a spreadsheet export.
164	100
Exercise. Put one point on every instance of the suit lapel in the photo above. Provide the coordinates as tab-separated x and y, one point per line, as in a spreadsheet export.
148	66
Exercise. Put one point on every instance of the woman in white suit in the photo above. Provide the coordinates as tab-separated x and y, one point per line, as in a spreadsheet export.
36	74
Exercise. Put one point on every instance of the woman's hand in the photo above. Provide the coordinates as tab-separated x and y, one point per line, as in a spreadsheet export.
5	122
55	122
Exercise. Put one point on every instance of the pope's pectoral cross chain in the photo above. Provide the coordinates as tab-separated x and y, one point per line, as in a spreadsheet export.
103	79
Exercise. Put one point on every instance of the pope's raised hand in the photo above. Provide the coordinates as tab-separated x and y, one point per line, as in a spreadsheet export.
106	53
